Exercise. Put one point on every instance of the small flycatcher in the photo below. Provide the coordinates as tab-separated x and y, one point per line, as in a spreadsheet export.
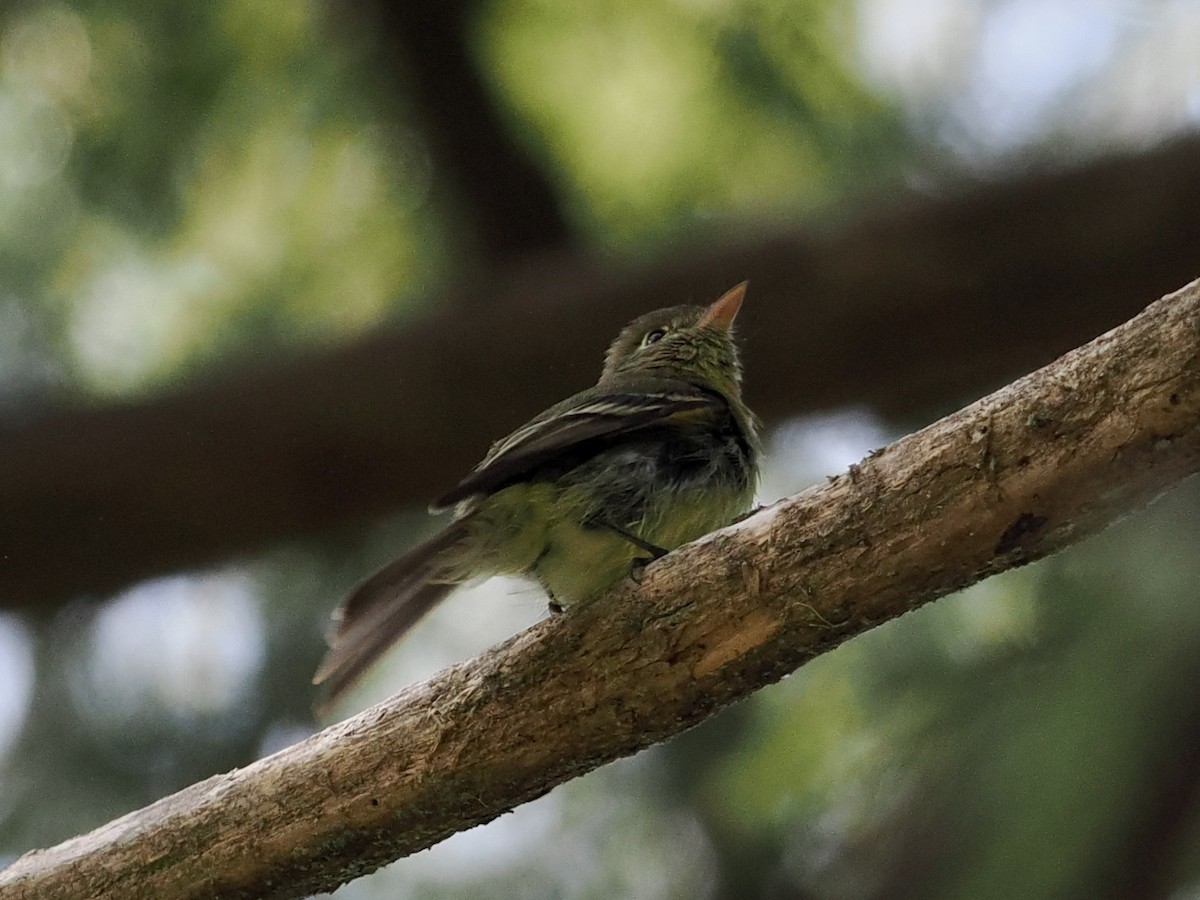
660	452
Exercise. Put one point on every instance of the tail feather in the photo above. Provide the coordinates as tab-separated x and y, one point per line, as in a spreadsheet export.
379	611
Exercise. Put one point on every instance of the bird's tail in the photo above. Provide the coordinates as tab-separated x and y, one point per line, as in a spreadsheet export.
379	611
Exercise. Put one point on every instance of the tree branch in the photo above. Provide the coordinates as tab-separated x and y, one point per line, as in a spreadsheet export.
1036	466
930	303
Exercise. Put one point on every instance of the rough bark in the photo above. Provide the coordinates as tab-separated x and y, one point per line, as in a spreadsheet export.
933	302
1038	465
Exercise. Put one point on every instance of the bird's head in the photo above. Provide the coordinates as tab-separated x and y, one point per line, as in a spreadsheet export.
688	342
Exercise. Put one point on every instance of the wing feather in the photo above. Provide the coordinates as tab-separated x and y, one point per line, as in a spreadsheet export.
587	418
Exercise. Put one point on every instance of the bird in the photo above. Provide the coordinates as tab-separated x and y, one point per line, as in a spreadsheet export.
659	452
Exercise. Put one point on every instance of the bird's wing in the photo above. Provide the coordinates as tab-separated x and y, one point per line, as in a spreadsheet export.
581	426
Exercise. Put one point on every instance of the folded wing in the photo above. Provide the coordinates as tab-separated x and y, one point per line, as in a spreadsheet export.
584	424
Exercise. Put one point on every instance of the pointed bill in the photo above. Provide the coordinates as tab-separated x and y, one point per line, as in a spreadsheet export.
721	314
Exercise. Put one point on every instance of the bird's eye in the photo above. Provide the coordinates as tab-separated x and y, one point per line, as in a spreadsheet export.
653	337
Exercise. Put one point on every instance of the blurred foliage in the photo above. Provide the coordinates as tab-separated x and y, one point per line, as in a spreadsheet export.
693	112
187	180
182	185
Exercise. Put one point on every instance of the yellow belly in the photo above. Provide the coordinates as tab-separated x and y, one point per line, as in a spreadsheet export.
536	530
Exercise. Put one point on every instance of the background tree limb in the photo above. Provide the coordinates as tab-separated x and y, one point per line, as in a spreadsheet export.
929	303
1036	466
423	51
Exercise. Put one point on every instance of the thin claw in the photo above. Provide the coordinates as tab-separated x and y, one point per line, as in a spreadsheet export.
654	550
748	514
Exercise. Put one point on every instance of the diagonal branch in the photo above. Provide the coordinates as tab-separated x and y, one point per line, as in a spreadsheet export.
1030	469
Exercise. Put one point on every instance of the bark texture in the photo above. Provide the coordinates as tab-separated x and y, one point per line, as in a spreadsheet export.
1036	466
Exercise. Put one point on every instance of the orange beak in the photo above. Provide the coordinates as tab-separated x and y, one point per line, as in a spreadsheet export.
723	311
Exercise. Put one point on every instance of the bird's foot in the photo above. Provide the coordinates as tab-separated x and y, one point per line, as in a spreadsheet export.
655	551
748	514
637	567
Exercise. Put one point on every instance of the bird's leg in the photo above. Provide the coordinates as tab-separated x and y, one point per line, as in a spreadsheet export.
747	514
637	566
554	606
654	550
